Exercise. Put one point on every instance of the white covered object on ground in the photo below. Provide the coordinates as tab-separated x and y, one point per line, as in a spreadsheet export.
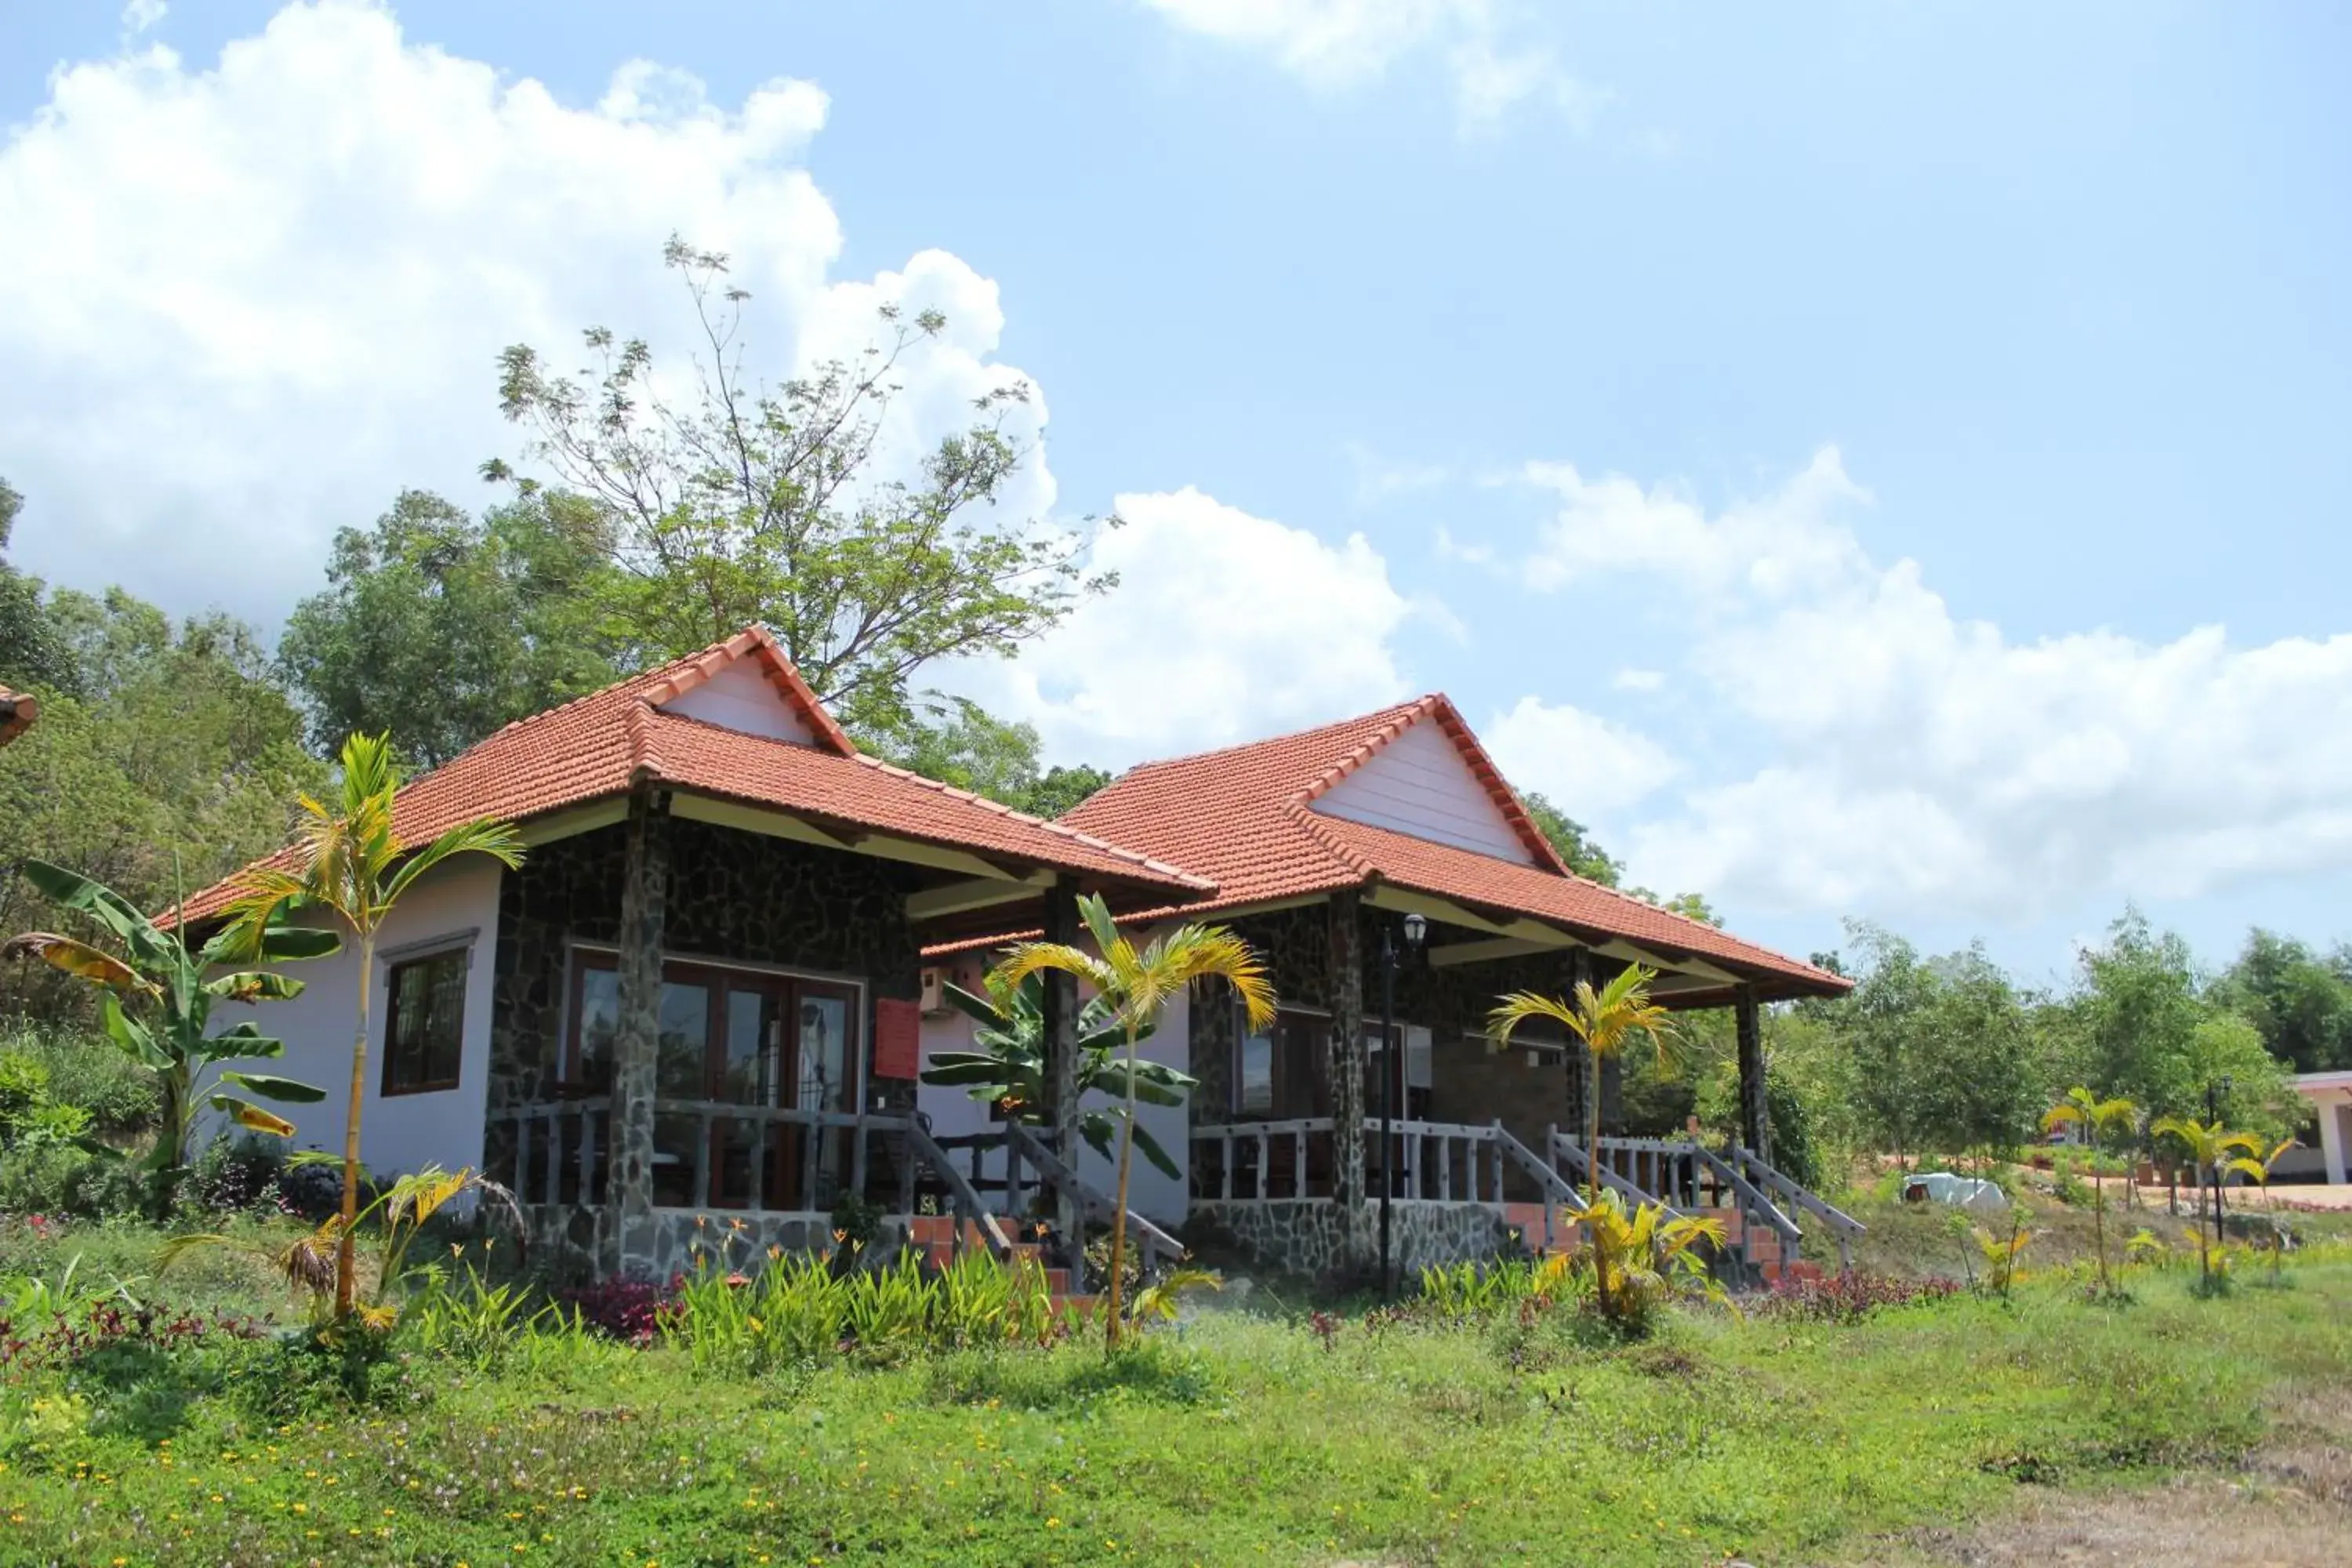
1961	1192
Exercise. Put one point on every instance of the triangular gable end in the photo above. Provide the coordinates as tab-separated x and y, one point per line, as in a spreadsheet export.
1430	778
747	685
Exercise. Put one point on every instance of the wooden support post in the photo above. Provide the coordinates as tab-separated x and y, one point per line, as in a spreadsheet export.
1755	1125
636	1036
1060	1021
1346	1075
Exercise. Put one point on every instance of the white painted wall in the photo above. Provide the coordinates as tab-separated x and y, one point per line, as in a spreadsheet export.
458	901
1419	784
2330	1094
742	697
1150	1193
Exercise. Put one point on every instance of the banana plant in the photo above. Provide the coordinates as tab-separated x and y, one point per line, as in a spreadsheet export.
155	1003
1008	1069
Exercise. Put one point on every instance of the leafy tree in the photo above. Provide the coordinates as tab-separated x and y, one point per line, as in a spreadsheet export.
172	988
165	760
746	501
2301	1001
1008	1069
1060	789
1137	983
439	628
29	652
2136	1013
957	742
354	865
1573	840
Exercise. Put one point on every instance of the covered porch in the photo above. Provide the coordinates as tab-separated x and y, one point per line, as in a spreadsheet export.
1481	1152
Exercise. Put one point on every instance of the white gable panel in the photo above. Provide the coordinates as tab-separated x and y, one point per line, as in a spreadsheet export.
742	697
1419	784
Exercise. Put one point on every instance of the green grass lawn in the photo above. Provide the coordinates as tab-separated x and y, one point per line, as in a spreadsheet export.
1234	1438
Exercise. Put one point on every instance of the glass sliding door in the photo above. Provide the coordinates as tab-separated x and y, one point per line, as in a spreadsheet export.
732	1038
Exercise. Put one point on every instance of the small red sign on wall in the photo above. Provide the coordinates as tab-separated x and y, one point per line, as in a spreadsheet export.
897	1039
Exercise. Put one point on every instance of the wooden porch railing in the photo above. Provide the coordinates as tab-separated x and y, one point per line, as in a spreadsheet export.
1431	1162
562	1154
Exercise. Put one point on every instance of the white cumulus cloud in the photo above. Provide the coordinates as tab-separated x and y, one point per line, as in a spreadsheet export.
1225	626
1331	44
1582	761
1902	756
268	290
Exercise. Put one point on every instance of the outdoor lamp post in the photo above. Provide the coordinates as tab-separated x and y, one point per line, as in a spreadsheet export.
2213	1120
1416	928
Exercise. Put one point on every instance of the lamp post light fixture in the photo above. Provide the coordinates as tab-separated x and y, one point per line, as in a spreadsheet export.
1416	931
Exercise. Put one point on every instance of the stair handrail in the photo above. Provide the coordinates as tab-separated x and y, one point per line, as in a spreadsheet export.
1843	1227
1561	1142
1070	1185
960	1190
1763	1208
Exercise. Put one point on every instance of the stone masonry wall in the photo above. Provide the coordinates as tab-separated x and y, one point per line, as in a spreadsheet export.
731	896
1310	1237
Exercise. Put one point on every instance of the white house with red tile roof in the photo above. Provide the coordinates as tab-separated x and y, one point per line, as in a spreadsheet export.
1328	848
700	994
703	992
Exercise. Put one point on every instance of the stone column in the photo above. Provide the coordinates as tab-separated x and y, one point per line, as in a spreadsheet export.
1347	1004
1755	1128
631	1238
1061	1045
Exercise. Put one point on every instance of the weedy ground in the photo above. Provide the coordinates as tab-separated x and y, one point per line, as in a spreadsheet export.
1958	1430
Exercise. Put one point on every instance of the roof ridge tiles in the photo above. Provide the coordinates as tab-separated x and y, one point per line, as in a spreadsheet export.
1156	764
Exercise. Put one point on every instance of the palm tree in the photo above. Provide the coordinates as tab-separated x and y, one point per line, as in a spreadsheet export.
1136	984
352	862
1606	1020
2082	1109
2260	1169
2210	1151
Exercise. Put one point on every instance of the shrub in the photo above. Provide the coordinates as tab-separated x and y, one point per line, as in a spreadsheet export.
86	1071
1849	1297
628	1309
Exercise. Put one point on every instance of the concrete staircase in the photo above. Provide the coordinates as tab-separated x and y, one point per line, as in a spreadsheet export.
934	1235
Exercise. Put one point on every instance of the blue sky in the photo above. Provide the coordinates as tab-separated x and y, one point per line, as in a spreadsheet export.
1961	363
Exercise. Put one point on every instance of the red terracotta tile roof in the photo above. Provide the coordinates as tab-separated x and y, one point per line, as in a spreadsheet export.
597	747
18	712
1243	817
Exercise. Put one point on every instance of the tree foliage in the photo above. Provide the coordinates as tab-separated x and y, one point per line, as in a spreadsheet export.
438	627
744	501
163	760
1573	840
2299	1000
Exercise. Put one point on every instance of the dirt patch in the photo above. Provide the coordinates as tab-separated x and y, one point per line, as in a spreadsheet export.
2290	1506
